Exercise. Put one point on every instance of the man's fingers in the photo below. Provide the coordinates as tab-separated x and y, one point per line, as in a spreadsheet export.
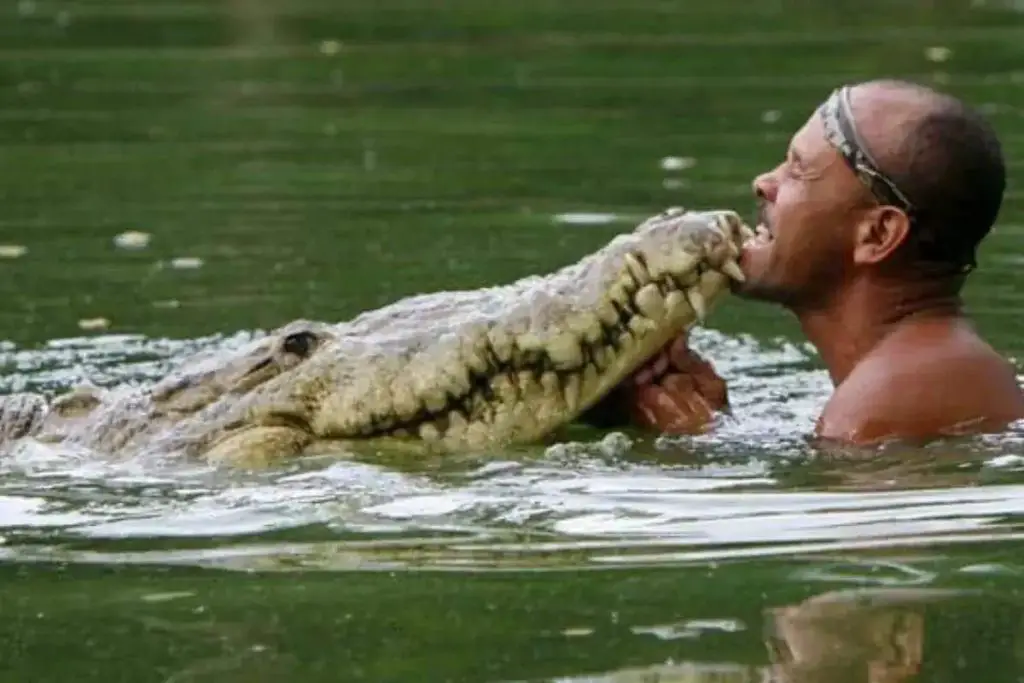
711	387
654	409
672	407
680	354
652	370
687	398
707	382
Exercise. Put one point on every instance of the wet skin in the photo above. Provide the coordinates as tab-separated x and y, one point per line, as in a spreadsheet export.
897	345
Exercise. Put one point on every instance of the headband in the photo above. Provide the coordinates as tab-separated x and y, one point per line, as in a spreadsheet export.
837	118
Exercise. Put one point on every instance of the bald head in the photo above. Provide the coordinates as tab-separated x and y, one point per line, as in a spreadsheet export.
944	156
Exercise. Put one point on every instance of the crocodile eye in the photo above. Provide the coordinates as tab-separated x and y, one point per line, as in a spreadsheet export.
300	343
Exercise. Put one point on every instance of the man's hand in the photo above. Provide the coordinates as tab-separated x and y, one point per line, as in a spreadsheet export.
677	392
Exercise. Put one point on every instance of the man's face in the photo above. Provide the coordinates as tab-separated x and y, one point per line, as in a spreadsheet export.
808	205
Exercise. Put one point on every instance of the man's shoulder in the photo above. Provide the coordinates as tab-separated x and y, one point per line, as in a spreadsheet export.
952	384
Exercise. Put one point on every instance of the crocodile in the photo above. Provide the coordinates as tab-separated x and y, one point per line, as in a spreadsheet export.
443	371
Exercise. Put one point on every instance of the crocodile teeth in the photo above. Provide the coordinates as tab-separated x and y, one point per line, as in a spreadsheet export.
697	301
564	351
606	313
435	400
476	361
457	379
573	388
477	435
403	401
501	343
675	304
529	341
456	420
429	432
684	263
587	327
505	388
591	378
549	383
650	302
641	326
617	292
637	269
520	415
529	386
733	270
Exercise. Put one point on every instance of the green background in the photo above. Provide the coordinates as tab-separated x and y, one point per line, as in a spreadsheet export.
322	158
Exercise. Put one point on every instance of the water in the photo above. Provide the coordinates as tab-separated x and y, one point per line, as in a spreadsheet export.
313	159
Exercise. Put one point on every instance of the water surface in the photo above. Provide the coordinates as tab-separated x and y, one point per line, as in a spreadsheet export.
313	159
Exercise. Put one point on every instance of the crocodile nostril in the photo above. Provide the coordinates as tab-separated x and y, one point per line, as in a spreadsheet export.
300	343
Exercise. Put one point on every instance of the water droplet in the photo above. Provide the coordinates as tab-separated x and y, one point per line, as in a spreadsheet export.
132	239
166	596
677	163
13	250
1008	461
584	218
938	53
330	47
577	632
90	324
615	444
186	262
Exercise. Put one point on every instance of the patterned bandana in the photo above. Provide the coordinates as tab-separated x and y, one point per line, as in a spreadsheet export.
837	117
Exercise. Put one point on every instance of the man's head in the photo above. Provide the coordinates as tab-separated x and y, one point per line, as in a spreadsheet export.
885	177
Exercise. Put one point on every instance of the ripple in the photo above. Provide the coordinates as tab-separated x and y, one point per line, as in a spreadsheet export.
752	487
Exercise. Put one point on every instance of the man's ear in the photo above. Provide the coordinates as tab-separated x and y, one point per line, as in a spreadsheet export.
878	235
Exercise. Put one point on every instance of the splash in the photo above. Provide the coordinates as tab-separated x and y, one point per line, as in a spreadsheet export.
753	486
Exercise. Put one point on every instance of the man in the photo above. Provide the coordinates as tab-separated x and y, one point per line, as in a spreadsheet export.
869	228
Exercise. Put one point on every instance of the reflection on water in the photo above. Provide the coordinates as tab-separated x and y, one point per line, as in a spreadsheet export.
176	171
786	564
896	636
866	636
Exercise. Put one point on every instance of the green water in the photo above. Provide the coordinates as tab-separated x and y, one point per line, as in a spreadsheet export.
322	158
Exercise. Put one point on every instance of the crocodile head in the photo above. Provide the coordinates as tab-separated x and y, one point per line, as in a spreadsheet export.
496	366
207	384
215	375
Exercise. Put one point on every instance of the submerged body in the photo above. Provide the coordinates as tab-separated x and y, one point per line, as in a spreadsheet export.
448	370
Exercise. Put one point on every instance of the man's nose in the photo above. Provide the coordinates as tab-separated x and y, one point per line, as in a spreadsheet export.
765	187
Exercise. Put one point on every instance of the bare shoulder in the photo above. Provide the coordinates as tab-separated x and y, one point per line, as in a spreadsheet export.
922	385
